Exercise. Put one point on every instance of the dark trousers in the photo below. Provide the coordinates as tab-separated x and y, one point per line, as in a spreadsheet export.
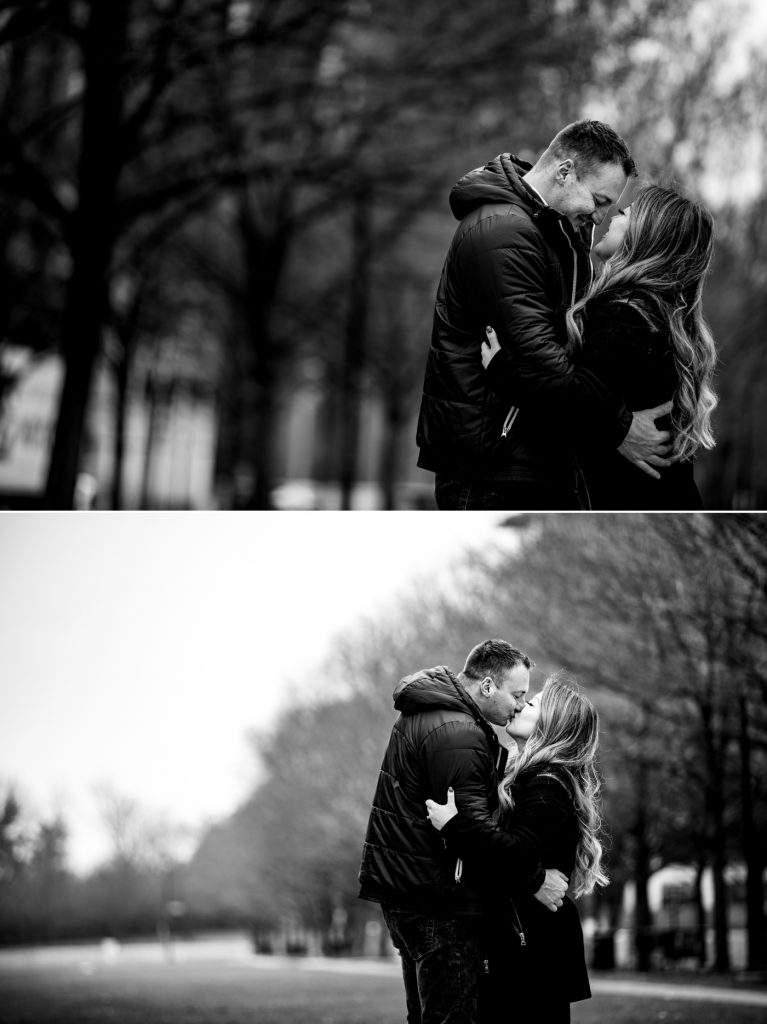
442	959
466	495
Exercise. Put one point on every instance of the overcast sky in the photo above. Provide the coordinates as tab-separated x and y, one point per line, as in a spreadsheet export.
136	651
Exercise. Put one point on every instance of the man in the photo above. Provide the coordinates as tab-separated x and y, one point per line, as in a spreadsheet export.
438	910
518	260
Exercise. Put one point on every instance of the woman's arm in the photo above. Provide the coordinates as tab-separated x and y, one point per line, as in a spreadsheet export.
526	838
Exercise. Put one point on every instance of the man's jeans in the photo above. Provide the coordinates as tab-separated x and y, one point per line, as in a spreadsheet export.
470	495
442	959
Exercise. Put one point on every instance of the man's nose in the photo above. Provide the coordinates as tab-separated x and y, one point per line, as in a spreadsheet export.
519	702
598	216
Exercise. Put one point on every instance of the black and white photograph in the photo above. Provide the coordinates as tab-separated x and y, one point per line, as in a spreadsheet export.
383	512
383	256
298	768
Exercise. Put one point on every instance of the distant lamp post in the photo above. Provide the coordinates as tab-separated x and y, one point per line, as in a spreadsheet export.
174	911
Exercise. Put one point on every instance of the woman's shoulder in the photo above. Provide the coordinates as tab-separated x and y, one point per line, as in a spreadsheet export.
625	327
545	777
635	309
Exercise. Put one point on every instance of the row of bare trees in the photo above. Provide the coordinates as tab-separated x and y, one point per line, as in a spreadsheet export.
662	618
134	891
667	613
264	185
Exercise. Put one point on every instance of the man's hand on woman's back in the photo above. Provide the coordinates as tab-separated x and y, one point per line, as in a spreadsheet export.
645	445
552	893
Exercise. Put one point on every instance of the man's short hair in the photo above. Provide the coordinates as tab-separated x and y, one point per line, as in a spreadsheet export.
494	658
589	143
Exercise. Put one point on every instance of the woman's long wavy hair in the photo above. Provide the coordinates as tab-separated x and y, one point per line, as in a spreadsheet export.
565	740
660	268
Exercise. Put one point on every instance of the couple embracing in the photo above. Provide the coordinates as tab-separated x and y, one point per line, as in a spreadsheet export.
550	386
470	861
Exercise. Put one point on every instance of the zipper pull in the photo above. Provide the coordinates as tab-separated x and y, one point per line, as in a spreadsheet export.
522	939
508	423
487	966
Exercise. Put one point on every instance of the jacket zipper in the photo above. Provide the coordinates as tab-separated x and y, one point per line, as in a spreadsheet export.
572	302
518	928
580	478
509	421
512	413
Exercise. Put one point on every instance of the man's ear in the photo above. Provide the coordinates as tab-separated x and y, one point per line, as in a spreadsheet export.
565	168
486	686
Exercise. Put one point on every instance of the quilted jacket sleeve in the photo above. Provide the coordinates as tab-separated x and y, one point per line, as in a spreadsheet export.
528	835
509	284
458	757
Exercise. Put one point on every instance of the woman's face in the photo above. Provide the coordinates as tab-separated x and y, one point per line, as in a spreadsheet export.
613	237
523	723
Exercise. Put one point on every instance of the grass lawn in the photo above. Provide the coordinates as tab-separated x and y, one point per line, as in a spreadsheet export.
239	993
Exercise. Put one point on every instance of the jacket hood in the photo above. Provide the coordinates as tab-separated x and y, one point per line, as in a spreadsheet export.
499	181
430	689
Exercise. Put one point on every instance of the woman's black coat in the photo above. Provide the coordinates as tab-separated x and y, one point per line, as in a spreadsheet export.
542	828
628	356
629	350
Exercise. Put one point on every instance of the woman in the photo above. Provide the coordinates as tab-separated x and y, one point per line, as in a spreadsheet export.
548	806
640	330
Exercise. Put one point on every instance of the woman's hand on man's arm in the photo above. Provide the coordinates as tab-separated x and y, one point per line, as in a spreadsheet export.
440	814
490	346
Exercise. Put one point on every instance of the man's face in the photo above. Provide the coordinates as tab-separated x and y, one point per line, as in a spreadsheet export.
586	200
501	700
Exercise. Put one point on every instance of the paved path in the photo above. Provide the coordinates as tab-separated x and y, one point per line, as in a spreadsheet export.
666	990
237	951
606	986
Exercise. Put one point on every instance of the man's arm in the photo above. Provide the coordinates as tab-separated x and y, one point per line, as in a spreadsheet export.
458	758
552	891
582	410
533	371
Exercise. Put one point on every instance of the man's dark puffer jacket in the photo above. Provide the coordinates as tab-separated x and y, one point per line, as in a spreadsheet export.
439	740
516	265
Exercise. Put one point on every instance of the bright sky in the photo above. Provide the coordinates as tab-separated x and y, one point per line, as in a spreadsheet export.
137	651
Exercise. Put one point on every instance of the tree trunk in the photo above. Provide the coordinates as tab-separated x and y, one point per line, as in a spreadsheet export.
354	349
395	397
718	839
392	424
718	864
261	456
700	914
121	416
261	354
152	401
642	917
92	239
755	923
